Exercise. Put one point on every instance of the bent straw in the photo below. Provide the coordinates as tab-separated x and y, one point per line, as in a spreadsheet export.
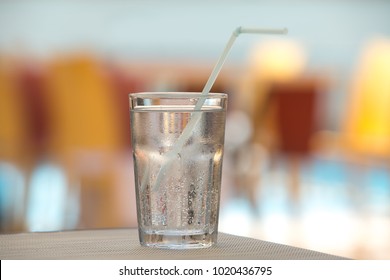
196	115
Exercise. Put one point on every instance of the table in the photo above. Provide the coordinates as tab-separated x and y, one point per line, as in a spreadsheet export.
123	244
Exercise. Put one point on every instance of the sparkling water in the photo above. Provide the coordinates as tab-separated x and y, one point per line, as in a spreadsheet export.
179	206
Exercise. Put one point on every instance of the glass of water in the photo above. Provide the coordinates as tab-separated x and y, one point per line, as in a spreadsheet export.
178	142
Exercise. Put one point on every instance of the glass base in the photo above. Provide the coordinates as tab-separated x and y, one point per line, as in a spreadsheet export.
177	240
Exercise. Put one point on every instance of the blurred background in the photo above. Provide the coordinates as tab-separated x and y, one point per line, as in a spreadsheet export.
308	132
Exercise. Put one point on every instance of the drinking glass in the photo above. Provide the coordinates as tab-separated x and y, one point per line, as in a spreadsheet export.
178	142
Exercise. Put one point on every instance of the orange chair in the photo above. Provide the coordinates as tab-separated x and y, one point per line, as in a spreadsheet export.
86	135
367	120
15	152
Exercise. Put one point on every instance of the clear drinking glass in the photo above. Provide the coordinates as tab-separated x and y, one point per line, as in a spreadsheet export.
178	152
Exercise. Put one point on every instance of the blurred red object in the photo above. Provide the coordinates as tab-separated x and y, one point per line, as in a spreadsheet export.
30	79
296	114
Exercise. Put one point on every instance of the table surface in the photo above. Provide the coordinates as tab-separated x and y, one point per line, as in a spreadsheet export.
121	244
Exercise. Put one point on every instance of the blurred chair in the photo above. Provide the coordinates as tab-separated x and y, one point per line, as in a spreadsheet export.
14	148
366	129
296	114
86	135
14	121
281	102
30	78
296	117
365	135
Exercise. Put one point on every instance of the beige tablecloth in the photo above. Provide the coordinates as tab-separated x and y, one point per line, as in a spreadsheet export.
123	244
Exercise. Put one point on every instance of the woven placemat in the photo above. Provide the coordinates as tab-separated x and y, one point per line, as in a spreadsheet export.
123	244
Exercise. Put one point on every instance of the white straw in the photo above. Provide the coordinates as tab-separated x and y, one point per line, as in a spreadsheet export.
222	59
196	115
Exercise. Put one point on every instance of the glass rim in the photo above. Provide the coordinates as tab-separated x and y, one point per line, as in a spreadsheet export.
176	94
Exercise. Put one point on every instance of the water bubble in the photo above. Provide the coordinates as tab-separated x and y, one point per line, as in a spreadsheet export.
161	150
